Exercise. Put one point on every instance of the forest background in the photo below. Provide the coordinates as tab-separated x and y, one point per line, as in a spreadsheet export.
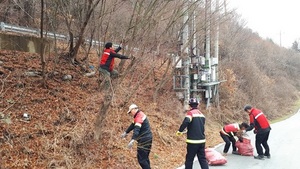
74	124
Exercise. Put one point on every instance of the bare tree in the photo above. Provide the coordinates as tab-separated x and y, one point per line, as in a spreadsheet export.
43	62
29	12
82	11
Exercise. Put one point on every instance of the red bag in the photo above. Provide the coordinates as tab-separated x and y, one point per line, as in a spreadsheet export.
245	148
213	157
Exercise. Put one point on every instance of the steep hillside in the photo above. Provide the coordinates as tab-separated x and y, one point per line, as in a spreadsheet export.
60	131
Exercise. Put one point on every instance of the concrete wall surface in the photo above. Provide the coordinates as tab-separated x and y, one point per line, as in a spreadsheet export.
23	43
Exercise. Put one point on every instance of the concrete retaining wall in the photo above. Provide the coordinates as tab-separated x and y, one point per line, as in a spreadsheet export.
23	43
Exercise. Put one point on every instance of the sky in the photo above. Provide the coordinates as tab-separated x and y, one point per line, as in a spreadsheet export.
275	19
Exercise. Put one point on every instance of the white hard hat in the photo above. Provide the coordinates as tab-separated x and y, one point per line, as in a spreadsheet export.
132	106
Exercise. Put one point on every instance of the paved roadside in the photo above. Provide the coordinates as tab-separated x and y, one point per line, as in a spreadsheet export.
284	142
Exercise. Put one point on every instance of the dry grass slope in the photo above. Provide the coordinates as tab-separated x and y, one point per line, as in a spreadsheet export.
60	133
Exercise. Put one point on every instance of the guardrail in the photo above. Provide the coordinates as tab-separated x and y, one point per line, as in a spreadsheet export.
24	30
30	31
36	32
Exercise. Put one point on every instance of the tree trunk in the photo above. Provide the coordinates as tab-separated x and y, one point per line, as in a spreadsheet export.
104	107
43	62
91	8
162	81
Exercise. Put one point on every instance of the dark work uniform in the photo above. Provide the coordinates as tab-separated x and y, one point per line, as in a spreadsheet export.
143	135
194	121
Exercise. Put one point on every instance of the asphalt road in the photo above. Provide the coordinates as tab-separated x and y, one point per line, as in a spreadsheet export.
284	142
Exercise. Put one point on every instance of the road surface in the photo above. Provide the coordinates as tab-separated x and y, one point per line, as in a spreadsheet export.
284	142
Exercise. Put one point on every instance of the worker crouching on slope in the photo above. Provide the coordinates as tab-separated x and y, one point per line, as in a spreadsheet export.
228	133
142	134
107	60
194	121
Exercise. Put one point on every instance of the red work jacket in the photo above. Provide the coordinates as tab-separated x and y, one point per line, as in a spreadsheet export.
259	121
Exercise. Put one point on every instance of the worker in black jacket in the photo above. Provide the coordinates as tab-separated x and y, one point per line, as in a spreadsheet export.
194	121
142	134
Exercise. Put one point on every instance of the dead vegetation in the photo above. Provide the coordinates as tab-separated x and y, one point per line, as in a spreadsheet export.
61	130
64	132
73	126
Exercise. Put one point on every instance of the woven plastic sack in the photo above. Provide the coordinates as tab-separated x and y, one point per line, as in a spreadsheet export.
213	157
244	148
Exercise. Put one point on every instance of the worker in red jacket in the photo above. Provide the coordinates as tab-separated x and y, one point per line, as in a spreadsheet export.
262	129
107	60
228	133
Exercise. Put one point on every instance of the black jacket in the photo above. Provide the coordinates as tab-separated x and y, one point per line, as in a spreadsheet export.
141	127
194	121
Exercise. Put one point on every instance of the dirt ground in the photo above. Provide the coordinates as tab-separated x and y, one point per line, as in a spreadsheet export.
60	130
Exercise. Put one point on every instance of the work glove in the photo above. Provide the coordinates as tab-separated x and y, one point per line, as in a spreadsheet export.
178	133
123	135
130	143
241	139
244	131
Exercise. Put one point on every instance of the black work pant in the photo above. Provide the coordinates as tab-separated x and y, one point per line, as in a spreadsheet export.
192	151
262	139
228	140
143	151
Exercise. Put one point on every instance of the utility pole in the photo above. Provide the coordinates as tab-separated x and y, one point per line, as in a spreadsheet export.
197	75
185	53
216	56
207	50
